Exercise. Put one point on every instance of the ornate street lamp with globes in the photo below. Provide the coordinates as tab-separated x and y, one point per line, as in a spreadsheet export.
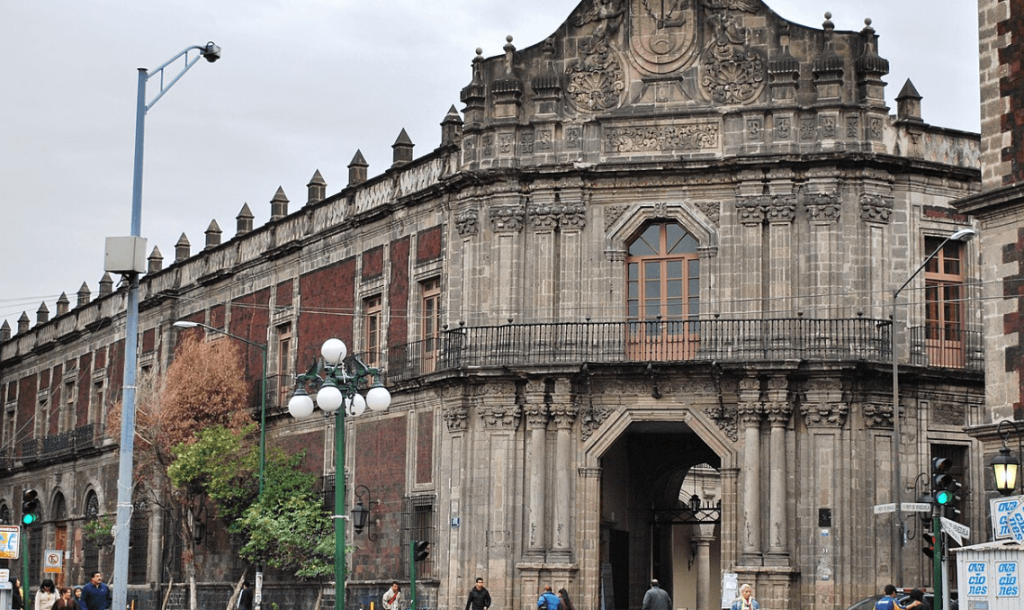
338	383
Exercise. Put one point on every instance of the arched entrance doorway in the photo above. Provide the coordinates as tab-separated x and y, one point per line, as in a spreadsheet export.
660	516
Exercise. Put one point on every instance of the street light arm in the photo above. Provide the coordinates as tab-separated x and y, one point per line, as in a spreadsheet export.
964	235
208	50
187	324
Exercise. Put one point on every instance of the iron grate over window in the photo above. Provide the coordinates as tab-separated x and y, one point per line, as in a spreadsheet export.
420	519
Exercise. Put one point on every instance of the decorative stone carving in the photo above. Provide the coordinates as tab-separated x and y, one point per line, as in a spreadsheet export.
778	413
591	419
536	415
783	128
754	128
663	34
823	206
456	418
852	127
688	136
732	72
466	223
504	417
808	129
725	420
596	81
573	137
774	208
564	415
877	415
711	209
876	208
548	217
612	214
875	128
508	218
750	412
828	126
824	404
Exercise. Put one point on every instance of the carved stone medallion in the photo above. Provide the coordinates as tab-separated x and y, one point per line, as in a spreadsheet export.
732	71
663	34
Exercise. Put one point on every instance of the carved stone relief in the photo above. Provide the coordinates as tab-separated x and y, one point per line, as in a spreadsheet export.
591	419
876	208
773	208
467	223
948	414
565	216
507	218
663	34
596	81
612	214
711	209
823	206
688	136
732	72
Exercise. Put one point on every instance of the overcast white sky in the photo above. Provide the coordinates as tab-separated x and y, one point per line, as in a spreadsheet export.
301	86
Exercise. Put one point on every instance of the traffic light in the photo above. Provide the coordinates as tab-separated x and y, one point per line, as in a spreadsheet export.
954	499
926	518
929	544
29	507
420	550
942	480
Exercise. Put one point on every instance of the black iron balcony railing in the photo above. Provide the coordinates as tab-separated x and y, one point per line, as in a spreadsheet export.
59	446
858	339
947	347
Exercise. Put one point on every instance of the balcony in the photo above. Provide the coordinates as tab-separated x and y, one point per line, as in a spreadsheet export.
718	340
59	447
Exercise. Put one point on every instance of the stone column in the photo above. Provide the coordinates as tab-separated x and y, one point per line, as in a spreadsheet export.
750	411
536	411
588	528
779	411
704	534
455	412
563	411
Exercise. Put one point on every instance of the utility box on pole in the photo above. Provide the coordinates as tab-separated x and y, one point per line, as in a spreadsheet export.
990	575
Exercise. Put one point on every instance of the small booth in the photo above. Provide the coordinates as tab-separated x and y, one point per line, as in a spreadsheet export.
989	575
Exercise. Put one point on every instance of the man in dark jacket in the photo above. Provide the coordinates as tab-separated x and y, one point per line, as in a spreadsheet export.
657	598
245	597
96	594
479	598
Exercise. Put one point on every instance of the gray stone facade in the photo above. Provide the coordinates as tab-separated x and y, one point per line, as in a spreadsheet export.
545	435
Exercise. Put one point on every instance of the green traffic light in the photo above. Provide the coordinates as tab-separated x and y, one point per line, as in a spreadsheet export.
29	519
943	498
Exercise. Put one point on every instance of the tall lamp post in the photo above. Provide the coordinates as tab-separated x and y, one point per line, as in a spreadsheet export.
961	235
258	591
136	246
339	386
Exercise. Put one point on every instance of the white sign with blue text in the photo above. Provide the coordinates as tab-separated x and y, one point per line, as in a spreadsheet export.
977	579
1001	509
1008	574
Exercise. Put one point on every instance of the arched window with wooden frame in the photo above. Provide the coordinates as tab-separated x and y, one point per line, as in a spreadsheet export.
663	293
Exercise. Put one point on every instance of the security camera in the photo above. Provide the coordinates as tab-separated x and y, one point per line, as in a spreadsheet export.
211	52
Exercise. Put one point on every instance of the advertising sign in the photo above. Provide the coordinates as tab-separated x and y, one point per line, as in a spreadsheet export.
1001	508
10	541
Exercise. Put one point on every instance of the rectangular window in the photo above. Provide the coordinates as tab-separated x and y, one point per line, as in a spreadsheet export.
42	419
96	411
284	364
430	319
69	407
944	294
422	528
372	311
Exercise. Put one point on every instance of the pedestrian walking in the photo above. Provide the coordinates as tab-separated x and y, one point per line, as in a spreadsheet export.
46	596
657	598
479	597
548	600
746	599
66	601
96	594
888	601
245	597
392	597
565	601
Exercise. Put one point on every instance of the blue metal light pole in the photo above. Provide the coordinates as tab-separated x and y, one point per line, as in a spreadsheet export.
122	529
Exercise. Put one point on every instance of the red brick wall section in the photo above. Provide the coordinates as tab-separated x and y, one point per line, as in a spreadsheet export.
373	263
1013	323
284	294
380	451
327	308
398	294
26	410
424	447
84	384
945	214
1012	86
217	316
310	442
428	245
250	317
149	341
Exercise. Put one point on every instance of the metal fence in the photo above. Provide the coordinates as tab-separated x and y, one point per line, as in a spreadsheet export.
858	339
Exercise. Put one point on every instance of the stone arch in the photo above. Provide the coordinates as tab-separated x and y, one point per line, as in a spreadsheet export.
619	421
5	513
58	506
632	221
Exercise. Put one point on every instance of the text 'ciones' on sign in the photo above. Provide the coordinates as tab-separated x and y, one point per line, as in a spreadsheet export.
1009	579
977	579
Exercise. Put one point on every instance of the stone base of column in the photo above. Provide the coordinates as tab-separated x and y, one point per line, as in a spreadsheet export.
751	559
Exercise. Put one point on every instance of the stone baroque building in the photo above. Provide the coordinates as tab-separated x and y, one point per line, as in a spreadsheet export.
634	315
